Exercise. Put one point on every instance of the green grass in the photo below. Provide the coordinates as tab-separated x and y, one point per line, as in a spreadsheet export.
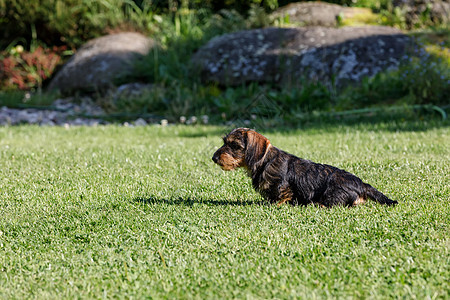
143	212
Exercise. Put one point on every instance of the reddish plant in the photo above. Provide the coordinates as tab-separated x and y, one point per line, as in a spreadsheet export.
27	70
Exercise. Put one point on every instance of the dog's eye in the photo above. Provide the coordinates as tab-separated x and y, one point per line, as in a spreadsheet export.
235	145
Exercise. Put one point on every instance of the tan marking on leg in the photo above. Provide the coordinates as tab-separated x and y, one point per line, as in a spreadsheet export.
285	196
283	201
360	200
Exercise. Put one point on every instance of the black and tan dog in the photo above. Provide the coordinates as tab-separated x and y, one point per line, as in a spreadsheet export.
284	178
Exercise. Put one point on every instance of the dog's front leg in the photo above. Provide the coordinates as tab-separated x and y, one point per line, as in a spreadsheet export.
284	196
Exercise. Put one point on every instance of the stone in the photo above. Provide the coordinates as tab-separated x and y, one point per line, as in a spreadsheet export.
5	119
47	122
205	119
318	13
66	112
192	120
140	122
132	90
287	55
100	61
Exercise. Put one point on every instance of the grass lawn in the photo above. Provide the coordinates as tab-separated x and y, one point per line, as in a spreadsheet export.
143	212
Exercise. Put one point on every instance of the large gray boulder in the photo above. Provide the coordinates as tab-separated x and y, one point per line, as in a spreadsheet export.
318	13
277	55
97	63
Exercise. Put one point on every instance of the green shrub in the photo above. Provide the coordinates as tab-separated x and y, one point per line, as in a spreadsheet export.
68	22
180	35
374	4
422	78
242	6
23	99
72	22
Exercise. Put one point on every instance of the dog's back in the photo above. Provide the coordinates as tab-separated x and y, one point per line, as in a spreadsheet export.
312	183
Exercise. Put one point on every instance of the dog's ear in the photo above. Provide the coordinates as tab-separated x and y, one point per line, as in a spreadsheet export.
256	148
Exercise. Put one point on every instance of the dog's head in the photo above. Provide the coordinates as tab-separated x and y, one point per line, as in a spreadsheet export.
242	147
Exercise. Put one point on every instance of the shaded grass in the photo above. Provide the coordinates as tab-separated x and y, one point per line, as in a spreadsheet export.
133	212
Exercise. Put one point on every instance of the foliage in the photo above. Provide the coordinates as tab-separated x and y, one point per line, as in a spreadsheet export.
394	16
68	22
72	22
363	18
144	213
178	85
187	25
241	6
374	4
410	16
23	70
21	99
180	35
423	77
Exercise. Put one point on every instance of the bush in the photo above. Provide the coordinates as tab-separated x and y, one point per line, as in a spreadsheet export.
422	78
72	22
67	22
176	89
180	35
241	6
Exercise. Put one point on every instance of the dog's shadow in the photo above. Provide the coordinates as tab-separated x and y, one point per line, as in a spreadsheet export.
192	202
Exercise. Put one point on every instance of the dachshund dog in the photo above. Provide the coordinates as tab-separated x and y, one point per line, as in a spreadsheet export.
281	177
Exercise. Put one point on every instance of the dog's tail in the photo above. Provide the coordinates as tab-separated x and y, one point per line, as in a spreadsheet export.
378	196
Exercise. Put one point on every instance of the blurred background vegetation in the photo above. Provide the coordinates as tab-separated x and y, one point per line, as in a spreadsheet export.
38	36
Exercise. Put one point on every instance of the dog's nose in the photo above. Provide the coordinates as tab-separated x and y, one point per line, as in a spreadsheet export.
215	158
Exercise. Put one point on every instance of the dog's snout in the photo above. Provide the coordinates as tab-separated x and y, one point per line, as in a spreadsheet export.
215	158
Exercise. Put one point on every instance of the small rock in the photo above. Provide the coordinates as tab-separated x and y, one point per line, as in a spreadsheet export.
78	122
164	122
47	122
131	90
67	114
192	120
5	120
140	122
94	123
317	13
35	117
22	116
